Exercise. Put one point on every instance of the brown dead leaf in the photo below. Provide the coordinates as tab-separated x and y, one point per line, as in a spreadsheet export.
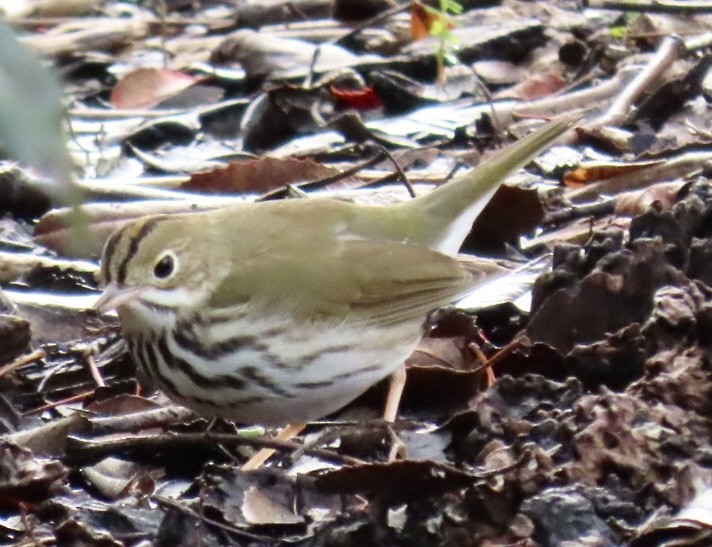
636	202
421	20
510	213
586	174
121	404
257	176
148	87
445	352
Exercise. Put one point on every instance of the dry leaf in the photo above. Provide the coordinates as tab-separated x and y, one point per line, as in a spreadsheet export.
257	176
638	201
586	174
148	87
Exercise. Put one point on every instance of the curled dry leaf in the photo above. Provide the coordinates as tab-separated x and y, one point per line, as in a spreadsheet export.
257	176
636	202
148	87
48	439
115	478
586	174
25	477
511	213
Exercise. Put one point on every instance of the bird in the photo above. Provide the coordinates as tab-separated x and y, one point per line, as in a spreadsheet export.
283	312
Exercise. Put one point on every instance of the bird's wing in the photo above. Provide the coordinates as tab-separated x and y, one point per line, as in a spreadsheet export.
322	277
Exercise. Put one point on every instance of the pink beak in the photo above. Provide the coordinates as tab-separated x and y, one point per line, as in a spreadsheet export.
113	297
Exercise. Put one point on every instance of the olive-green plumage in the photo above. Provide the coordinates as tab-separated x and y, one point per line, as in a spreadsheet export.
299	305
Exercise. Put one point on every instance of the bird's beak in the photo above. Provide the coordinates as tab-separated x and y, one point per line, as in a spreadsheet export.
114	297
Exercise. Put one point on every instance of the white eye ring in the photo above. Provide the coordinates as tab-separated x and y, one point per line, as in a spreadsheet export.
166	266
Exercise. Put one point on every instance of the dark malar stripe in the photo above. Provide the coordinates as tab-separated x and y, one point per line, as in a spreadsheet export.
147	227
148	358
165	382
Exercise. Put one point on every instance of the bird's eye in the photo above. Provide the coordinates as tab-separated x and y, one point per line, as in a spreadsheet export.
166	266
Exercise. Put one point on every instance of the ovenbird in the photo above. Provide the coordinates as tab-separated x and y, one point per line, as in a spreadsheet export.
285	311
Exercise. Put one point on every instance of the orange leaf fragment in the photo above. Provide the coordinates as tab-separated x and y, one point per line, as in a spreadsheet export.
586	174
422	19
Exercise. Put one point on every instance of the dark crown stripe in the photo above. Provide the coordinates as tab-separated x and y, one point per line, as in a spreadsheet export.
147	227
109	250
164	380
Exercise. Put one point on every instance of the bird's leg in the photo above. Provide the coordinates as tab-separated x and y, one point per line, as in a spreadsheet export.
289	432
395	391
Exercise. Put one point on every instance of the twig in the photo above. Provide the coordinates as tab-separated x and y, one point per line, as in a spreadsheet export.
53	404
36	355
497	357
401	174
595	209
80	449
322	182
654	6
671	49
155	417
